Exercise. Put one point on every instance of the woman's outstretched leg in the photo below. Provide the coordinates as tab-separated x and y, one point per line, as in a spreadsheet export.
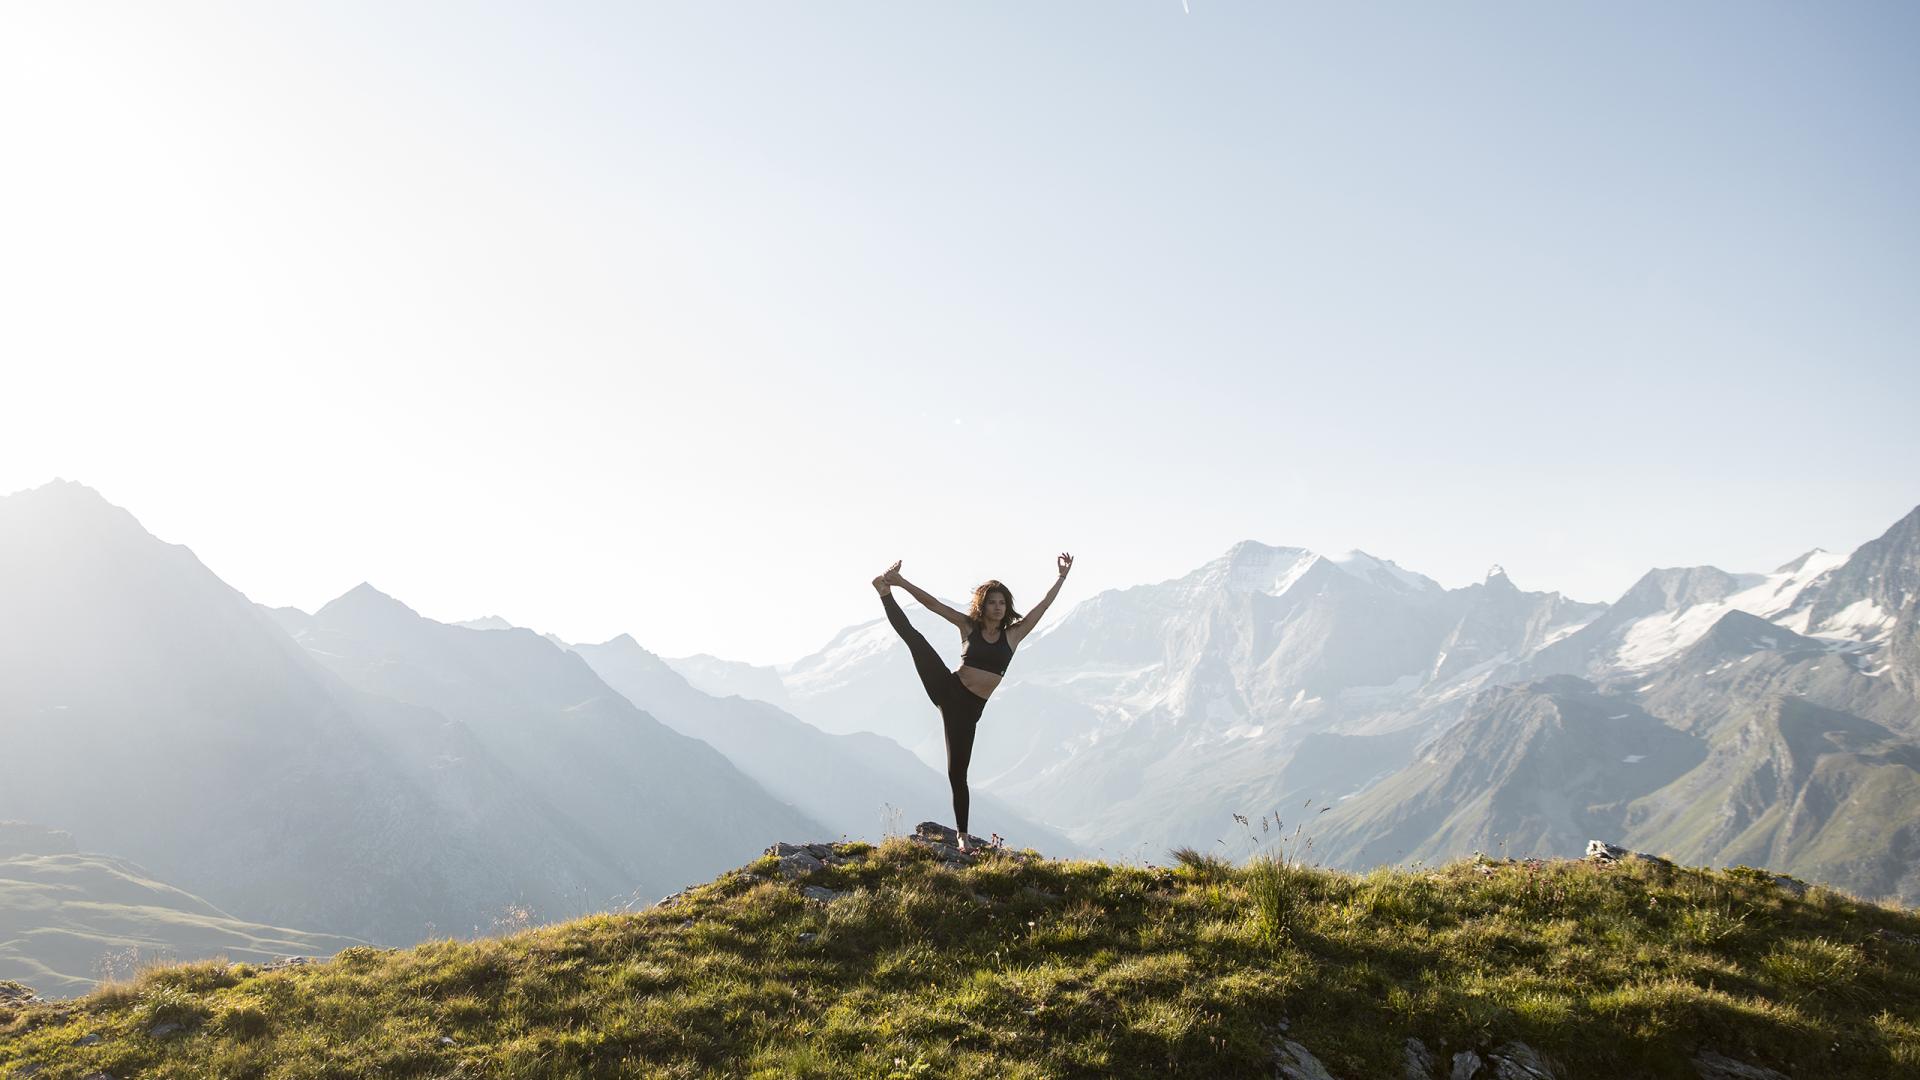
934	675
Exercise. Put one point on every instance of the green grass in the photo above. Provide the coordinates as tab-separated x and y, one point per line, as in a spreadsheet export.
1051	968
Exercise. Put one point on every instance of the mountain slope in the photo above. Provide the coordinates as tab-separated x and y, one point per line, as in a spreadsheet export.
66	917
1814	764
727	678
1534	770
664	807
154	712
1754	745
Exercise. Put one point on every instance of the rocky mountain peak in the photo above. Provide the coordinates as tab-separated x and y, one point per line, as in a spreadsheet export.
67	504
1253	566
363	602
1675	588
626	648
1864	595
1738	633
1909	525
1385	573
71	490
1793	566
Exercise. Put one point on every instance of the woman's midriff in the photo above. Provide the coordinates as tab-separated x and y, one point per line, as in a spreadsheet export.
978	680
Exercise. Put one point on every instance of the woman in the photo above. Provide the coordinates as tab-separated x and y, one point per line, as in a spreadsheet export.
991	630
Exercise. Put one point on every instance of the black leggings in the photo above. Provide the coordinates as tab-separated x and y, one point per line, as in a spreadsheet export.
959	707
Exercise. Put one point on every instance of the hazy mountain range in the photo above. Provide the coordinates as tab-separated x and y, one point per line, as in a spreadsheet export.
366	772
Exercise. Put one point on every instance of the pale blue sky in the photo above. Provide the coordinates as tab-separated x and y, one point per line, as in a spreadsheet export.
684	320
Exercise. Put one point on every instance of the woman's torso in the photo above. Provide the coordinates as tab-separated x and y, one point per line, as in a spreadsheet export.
980	680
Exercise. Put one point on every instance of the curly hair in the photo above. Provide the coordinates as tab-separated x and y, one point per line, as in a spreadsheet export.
978	611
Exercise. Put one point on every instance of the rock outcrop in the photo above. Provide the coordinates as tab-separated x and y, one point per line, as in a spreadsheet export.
1601	851
796	860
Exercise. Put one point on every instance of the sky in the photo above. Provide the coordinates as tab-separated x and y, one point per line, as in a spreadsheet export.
684	320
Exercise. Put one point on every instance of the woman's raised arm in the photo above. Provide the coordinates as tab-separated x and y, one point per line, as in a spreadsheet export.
1018	632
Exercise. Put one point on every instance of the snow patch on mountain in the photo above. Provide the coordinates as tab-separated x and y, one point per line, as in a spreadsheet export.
1645	642
846	653
1250	566
1384	573
1559	632
1860	619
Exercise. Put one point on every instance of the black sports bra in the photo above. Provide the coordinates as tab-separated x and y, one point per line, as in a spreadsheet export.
987	655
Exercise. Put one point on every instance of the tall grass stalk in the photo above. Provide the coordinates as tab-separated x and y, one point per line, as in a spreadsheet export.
1275	879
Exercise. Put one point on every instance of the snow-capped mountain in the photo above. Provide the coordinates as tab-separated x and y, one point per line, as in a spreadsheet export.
1873	598
1667	610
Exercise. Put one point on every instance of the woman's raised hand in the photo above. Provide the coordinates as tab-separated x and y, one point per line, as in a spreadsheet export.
1066	563
893	574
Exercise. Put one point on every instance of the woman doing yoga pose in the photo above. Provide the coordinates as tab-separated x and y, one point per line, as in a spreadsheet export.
991	630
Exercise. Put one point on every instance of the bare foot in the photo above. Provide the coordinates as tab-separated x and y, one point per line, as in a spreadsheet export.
880	585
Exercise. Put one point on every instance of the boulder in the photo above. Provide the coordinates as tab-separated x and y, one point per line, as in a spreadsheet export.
289	961
800	862
1293	1062
945	843
1419	1061
1518	1061
1508	1061
15	993
1601	851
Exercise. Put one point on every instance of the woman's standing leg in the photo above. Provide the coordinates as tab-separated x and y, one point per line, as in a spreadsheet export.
960	715
933	670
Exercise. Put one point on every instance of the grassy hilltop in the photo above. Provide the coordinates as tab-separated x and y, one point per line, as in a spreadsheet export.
892	961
